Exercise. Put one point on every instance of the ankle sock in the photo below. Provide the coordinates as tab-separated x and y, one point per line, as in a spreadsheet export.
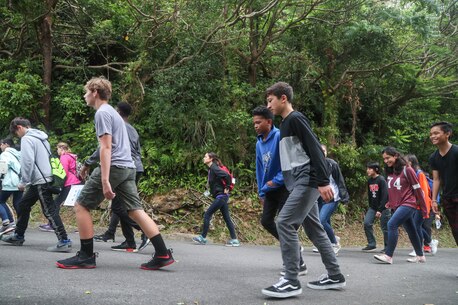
159	245
87	246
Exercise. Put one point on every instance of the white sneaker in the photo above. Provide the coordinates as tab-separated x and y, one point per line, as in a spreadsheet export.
413	254
315	250
338	239
434	243
417	259
336	248
384	258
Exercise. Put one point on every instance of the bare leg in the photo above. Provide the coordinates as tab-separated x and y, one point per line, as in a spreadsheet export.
84	222
147	224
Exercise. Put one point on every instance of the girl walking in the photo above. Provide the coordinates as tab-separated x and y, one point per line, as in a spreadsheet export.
404	195
219	182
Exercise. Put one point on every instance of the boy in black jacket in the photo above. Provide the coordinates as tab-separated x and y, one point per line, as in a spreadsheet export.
306	176
377	191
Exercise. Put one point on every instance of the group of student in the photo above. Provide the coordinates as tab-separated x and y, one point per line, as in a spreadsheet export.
297	185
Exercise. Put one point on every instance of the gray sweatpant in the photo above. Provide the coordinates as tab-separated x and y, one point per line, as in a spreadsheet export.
301	208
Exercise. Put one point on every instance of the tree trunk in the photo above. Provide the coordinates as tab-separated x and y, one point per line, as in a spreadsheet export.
45	40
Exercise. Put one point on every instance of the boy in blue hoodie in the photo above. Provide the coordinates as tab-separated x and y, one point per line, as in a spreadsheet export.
271	188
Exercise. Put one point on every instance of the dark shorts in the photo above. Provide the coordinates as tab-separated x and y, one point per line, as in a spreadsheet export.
122	182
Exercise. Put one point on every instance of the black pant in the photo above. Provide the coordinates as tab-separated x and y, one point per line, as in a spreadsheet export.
119	213
42	193
273	203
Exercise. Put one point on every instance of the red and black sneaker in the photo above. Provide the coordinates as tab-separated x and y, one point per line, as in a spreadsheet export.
159	261
125	247
79	261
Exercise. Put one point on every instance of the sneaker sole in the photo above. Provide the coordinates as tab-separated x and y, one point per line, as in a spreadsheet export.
125	250
18	244
74	267
101	240
7	231
232	245
157	268
382	261
199	243
371	250
143	247
281	295
326	287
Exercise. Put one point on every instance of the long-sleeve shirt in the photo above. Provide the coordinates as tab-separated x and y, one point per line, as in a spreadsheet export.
377	191
302	159
404	189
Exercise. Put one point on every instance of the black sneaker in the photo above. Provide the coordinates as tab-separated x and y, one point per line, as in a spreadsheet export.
302	270
79	261
283	289
104	237
125	247
369	249
145	242
328	282
13	239
159	261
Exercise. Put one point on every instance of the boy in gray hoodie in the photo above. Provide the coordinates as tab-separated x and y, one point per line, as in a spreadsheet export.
36	174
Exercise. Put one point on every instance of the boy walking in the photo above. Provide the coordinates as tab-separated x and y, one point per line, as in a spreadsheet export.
271	187
114	177
306	176
36	175
377	193
444	163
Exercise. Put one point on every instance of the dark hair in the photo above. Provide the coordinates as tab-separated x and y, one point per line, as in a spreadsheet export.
124	109
374	165
215	158
279	89
400	161
413	159
446	127
7	141
264	112
19	122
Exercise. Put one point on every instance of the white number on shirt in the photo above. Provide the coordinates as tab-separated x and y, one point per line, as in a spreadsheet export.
396	184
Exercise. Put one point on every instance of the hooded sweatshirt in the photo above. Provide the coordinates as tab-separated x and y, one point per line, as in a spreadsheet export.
35	152
11	179
268	166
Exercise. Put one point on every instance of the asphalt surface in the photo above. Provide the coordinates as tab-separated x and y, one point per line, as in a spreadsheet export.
215	274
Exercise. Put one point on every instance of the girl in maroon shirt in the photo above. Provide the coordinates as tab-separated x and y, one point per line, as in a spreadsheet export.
404	195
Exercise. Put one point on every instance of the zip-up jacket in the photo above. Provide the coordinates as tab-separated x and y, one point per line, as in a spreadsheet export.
268	166
215	177
11	179
336	174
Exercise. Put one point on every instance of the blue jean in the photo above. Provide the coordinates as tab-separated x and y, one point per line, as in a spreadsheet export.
326	211
418	221
403	216
5	212
220	203
369	219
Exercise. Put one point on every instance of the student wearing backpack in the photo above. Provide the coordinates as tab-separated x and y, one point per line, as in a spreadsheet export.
9	184
36	176
403	194
423	225
219	182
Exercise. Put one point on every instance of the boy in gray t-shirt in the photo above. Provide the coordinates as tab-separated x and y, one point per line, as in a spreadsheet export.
114	177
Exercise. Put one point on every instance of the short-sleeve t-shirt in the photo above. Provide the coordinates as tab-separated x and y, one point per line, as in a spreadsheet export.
108	121
447	166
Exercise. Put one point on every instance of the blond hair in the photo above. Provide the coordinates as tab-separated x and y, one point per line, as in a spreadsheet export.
101	85
64	146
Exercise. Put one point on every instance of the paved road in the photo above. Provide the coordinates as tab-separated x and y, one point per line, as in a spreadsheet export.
214	274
